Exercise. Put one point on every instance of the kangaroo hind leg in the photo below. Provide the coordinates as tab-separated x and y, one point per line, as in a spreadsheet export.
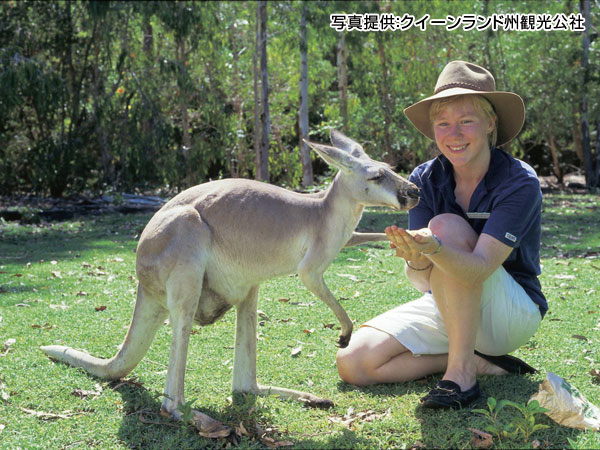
244	363
184	289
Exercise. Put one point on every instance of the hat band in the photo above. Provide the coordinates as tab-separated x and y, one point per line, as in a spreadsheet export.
463	85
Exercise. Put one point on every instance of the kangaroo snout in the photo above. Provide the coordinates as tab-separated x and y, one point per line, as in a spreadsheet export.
413	192
409	198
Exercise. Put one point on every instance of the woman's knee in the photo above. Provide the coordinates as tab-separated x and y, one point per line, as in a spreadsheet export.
454	231
356	362
351	366
368	351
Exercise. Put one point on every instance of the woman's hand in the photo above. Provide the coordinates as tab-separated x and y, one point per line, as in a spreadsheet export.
410	243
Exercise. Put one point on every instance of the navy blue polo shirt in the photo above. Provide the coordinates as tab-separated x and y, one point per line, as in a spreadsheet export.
506	204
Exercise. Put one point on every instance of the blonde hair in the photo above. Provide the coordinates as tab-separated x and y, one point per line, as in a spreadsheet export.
479	102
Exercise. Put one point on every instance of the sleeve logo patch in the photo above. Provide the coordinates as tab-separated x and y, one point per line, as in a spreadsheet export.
510	237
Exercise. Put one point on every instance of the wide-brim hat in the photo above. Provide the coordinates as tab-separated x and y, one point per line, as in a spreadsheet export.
464	78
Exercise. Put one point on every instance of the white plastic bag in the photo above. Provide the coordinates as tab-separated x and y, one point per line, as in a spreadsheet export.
567	405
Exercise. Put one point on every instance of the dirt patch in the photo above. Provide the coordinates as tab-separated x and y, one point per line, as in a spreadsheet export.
32	209
572	183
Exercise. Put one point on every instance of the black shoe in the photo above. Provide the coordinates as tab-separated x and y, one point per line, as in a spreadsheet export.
511	364
447	394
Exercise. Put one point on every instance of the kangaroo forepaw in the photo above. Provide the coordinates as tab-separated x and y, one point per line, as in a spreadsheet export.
343	341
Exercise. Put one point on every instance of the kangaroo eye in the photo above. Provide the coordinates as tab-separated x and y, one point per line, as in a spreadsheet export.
379	176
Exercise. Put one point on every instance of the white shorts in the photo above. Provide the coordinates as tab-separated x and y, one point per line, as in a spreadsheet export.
508	319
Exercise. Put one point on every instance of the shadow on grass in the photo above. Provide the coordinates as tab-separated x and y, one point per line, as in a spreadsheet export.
570	235
20	244
12	289
389	389
450	428
143	428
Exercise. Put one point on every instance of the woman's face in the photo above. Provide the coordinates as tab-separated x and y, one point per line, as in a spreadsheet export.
461	133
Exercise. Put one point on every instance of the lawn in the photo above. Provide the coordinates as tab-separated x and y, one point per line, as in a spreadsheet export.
74	283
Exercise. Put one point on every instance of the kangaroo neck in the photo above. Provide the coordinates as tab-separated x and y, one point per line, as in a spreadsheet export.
339	203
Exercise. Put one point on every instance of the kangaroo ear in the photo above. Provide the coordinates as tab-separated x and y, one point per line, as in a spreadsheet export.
334	156
339	140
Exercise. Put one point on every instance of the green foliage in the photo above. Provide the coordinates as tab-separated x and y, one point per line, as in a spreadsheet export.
524	425
187	413
95	94
28	84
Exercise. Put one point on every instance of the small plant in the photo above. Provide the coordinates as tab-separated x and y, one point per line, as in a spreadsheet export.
186	411
495	426
525	424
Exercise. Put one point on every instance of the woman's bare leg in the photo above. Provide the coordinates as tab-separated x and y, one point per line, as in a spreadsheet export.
459	303
374	356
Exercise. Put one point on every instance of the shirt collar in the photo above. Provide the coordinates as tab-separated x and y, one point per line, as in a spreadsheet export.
441	172
498	170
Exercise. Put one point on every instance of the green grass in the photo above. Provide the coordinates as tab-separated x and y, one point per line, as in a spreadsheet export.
53	278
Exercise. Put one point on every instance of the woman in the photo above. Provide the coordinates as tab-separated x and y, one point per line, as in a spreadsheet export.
472	248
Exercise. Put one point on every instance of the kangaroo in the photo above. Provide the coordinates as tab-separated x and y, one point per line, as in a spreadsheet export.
211	246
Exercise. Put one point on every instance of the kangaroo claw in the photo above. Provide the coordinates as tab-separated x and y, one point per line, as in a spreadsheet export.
343	341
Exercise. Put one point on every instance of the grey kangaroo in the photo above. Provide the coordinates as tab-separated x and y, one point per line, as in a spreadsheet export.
210	247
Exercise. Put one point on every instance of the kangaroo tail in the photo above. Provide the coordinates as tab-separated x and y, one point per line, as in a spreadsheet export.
148	316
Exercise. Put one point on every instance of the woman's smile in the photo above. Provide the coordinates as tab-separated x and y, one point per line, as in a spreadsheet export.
458	148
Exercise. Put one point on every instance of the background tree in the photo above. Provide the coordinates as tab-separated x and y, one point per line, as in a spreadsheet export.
307	172
102	96
262	152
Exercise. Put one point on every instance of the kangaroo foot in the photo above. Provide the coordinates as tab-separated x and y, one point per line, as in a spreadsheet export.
308	399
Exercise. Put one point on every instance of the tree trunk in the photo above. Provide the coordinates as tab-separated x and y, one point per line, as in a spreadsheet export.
386	102
185	120
597	172
307	172
125	141
120	176
97	94
148	39
584	6
237	158
147	129
70	70
577	143
187	141
555	164
256	94
263	173
342	71
489	34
